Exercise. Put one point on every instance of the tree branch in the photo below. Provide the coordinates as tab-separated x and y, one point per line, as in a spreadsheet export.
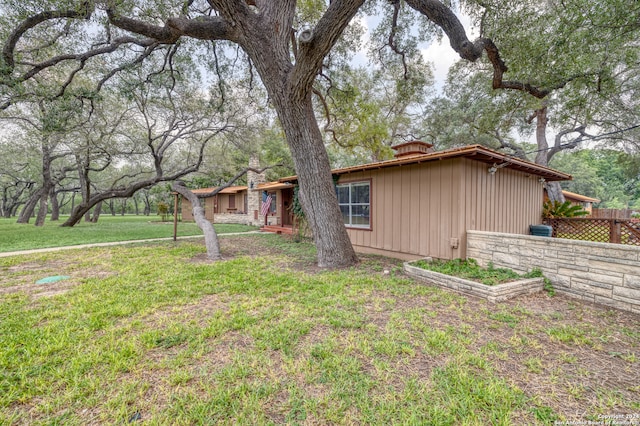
83	12
324	36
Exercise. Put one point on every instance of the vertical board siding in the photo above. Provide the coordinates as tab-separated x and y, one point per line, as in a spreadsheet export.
417	209
424	194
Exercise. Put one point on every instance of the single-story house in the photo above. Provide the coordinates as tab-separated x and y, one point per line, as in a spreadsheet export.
227	206
422	202
234	204
579	200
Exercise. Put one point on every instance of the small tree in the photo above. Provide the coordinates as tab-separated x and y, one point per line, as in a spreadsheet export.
163	210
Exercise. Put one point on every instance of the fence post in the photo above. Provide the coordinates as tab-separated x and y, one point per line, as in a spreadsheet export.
614	231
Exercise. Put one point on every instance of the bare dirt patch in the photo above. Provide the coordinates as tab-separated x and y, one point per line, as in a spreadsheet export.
23	277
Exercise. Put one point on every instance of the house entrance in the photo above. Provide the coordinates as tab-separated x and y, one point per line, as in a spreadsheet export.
287	202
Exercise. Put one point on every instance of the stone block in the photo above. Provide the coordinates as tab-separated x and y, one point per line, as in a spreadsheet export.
475	243
619	304
506	260
616	265
577	272
530	252
608	277
630	294
631	281
606	250
591	288
572	260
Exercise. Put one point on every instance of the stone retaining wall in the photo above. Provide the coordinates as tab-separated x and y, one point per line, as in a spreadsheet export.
598	272
496	293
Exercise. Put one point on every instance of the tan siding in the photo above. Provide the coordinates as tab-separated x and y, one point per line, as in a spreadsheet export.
425	194
209	208
393	208
418	209
414	215
508	201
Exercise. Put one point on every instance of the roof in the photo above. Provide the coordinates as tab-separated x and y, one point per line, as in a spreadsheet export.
270	186
203	192
578	197
473	152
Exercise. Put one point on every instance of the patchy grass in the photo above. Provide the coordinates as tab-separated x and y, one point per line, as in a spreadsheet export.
154	334
15	237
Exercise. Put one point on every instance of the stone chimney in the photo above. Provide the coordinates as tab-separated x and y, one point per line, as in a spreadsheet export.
253	195
413	148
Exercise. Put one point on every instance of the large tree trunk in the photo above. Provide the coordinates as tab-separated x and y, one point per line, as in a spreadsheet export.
47	185
317	193
147	204
78	213
43	208
55	205
554	190
210	235
30	206
96	212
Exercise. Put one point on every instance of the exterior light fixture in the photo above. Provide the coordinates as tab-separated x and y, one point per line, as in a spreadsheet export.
542	180
493	169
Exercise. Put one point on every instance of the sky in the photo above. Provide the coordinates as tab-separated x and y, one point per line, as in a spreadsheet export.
439	53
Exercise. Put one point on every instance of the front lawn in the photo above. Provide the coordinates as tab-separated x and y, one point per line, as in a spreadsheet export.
15	237
156	334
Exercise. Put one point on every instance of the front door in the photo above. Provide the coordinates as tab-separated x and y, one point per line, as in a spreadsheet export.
287	211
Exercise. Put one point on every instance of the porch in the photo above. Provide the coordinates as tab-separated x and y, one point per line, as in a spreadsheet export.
278	229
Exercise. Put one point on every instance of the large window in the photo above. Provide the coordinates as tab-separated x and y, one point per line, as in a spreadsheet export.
354	203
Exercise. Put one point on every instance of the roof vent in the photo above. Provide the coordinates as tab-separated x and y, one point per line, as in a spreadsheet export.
413	148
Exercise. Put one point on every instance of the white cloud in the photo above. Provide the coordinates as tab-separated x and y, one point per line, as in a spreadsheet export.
442	55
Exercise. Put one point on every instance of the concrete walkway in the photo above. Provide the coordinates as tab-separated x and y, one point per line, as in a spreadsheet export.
114	243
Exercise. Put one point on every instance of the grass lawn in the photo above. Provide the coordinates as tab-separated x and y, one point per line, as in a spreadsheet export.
156	334
15	237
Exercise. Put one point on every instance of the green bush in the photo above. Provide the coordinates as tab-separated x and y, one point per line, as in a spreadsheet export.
163	210
555	209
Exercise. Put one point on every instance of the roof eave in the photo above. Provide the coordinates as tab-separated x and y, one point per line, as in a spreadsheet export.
471	151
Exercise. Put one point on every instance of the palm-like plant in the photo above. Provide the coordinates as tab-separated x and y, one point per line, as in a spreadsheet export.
555	209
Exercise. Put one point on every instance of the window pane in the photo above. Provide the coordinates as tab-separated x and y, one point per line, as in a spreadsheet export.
360	193
360	215
345	214
343	194
274	203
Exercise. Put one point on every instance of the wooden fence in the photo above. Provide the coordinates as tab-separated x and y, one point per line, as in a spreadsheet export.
611	213
599	230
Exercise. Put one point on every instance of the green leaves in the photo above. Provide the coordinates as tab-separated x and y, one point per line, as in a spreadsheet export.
554	209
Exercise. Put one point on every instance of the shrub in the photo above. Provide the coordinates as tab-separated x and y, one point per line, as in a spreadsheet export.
163	210
554	209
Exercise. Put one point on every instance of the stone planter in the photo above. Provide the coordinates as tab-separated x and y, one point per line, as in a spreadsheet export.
496	293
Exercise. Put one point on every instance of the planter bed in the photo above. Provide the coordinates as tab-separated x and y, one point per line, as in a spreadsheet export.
494	293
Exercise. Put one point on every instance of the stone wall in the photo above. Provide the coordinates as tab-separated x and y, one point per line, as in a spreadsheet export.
495	293
242	219
254	196
599	272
